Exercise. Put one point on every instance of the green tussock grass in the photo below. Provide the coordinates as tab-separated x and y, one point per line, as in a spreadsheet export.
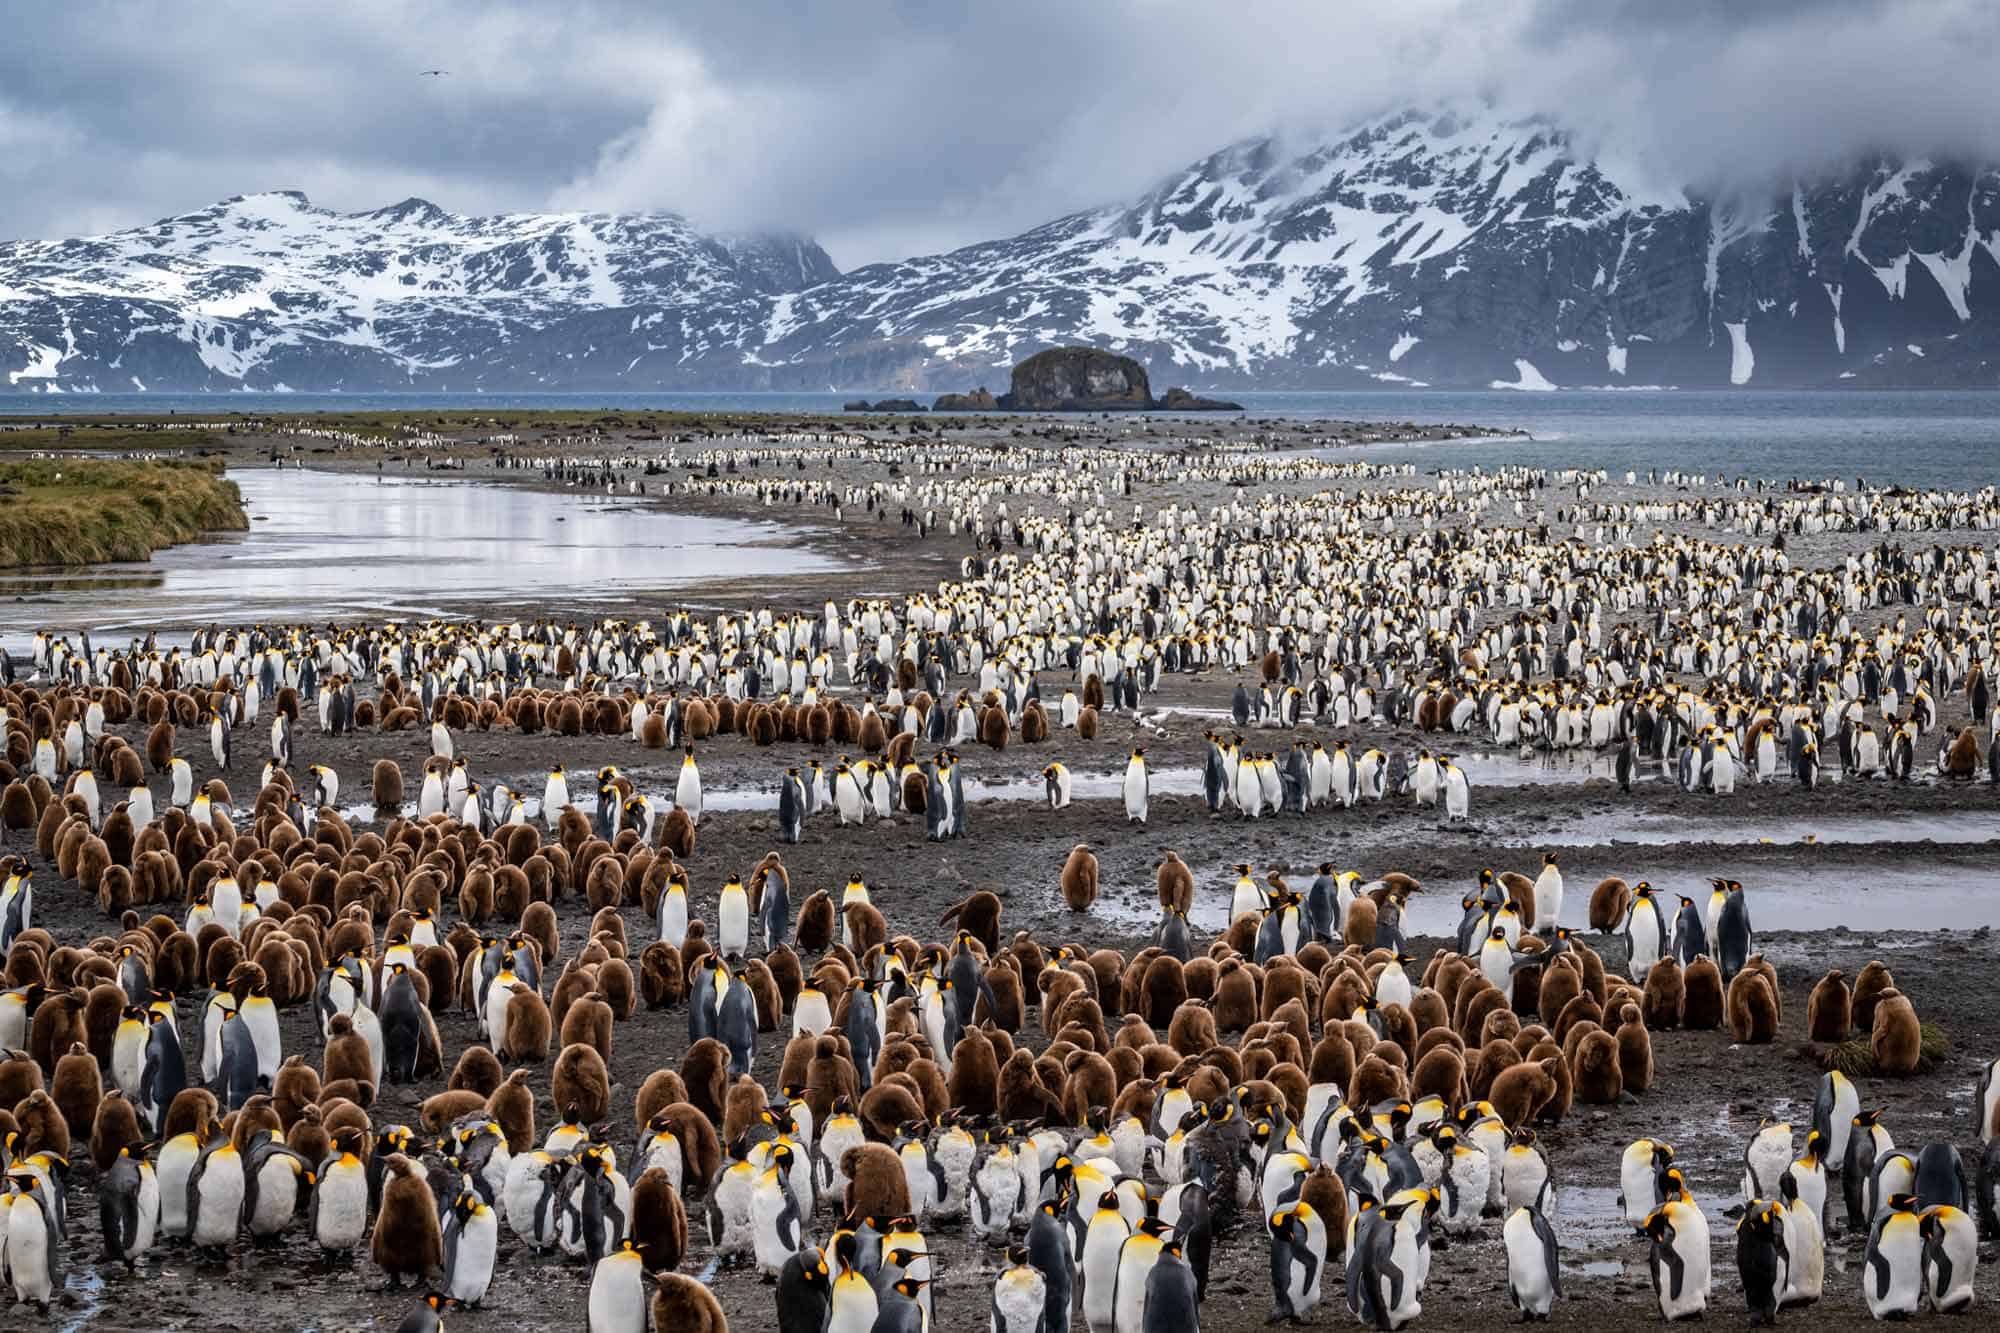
109	437
77	511
1856	1056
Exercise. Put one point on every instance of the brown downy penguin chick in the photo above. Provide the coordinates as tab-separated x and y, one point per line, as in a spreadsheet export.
43	1128
76	1090
662	1088
1666	992
1174	883
743	1106
1896	1038
1609	902
1753	1010
662	982
1520	1092
1635	1050
308	1136
1702	1005
386	787
1597	1079
1079	878
407	1241
1359	928
684	1305
1440	1072
580	1082
1868	988
512	1104
817	919
19	1076
116	1127
478	1070
1021	1095
876	1186
979	917
255	1114
440	1109
295	1088
190	1110
705	1072
1829	1010
588	1020
1376	1080
658	1225
525	1037
347	1055
1235	1003
974	1081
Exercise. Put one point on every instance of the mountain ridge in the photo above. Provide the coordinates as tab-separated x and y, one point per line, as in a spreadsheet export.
1434	247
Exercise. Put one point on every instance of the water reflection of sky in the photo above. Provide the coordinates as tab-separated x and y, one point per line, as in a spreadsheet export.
324	542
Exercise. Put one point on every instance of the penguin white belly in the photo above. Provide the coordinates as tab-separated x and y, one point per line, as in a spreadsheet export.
1805	1242
812	1015
618	1295
733	924
687	792
277	1197
261	1017
215	1221
176	1162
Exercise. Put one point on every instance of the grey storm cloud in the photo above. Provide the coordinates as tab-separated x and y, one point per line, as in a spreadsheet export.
891	127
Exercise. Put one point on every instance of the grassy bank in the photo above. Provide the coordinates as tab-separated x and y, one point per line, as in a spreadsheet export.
78	511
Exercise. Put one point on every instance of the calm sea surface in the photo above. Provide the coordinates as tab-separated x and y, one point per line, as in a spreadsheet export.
1916	438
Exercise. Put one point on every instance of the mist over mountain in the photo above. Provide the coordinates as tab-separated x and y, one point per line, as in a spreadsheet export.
1437	247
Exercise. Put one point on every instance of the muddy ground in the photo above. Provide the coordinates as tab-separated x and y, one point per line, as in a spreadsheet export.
1708	1099
1843	865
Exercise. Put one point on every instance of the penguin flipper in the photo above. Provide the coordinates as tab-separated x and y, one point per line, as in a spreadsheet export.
1665	1255
1551	1255
1878	1263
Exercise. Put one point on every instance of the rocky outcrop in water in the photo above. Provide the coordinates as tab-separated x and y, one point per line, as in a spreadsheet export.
979	400
1078	379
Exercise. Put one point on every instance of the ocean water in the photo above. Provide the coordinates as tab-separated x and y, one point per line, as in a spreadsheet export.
1945	438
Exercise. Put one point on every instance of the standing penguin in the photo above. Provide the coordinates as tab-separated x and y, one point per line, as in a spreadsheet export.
1645	931
165	1072
409	1036
471	1236
618	1293
1733	943
1298	1261
1951	1257
33	1240
1762	1262
1892	1278
1534	1264
1020	1295
1173	1297
1049	1253
1690	935
1679	1259
128	1207
687	788
215	1195
1138	787
791	807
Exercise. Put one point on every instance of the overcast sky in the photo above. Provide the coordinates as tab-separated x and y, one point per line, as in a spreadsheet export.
894	127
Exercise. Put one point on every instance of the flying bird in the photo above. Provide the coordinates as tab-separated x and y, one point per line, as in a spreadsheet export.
432	72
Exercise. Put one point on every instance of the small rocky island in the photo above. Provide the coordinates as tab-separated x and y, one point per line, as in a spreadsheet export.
1089	379
1065	379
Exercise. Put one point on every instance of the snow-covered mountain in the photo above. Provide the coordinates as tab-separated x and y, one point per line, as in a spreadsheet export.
1437	248
264	291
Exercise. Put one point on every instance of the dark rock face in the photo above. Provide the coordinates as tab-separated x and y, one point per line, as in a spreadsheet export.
1078	379
979	400
883	405
1438	248
1180	400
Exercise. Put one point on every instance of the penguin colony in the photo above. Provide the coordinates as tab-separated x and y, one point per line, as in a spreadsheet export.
1104	1121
